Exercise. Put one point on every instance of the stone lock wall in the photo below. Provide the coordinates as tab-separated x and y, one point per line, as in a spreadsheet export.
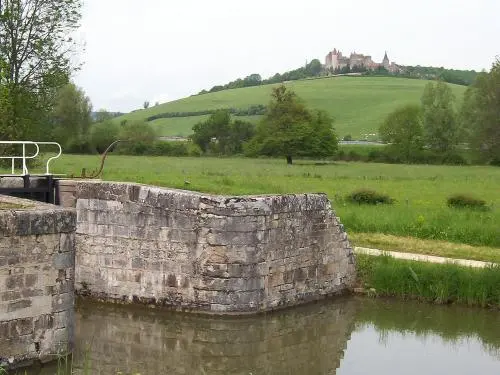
36	281
217	254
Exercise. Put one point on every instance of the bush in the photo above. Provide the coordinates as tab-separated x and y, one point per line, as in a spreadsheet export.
103	134
138	138
453	158
466	201
367	196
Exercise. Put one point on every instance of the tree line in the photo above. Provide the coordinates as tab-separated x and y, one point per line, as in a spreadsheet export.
311	69
440	126
315	69
253	110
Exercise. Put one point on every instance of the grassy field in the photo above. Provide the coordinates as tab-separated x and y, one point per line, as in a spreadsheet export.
420	210
358	104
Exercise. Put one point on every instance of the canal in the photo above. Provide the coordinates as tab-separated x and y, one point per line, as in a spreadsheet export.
343	336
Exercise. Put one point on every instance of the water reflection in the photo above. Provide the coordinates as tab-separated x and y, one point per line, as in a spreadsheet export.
344	337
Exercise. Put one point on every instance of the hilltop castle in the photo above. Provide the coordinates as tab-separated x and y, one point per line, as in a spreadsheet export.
335	61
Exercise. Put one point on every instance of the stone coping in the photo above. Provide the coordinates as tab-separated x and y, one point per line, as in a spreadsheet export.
25	217
71	182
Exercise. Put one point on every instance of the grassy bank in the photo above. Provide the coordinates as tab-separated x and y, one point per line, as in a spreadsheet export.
436	283
428	247
358	104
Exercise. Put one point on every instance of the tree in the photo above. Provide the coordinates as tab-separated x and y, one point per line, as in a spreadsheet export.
145	104
71	117
102	134
404	130
218	134
103	115
314	68
240	132
480	114
138	137
289	129
35	61
439	117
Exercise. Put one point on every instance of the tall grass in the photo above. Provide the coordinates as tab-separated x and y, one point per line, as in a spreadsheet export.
436	283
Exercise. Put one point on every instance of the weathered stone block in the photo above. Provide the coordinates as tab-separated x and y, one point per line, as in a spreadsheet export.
28	278
188	249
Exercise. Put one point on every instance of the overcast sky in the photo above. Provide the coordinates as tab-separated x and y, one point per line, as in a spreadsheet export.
162	50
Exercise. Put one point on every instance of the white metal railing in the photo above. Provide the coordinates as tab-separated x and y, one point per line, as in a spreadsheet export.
23	157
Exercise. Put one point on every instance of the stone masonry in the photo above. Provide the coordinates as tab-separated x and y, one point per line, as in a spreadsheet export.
37	243
214	254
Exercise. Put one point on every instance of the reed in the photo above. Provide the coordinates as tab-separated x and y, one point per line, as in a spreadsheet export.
436	283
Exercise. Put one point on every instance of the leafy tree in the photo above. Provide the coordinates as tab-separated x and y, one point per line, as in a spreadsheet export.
102	134
103	115
71	117
138	137
481	114
314	68
146	104
289	129
404	130
439	118
219	135
216	127
35	61
240	132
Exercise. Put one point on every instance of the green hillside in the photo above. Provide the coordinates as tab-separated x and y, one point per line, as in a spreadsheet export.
358	104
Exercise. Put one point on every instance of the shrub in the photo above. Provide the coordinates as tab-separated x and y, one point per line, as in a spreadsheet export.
103	134
466	201
139	138
453	158
347	138
367	196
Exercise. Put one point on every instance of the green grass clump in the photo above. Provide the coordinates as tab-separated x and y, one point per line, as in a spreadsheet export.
466	201
431	282
368	196
358	104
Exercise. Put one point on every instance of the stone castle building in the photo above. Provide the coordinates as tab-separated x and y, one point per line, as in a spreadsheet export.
336	61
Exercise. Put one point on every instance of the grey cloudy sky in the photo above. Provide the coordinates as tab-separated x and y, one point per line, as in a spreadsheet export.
161	50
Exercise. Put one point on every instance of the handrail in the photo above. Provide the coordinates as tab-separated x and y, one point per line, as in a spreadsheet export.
53	157
24	157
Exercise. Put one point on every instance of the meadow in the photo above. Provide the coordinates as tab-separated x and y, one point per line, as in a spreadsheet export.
419	212
358	104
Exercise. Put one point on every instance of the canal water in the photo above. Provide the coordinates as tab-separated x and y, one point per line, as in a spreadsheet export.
344	336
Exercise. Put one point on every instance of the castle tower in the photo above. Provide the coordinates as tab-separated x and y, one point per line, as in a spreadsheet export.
385	61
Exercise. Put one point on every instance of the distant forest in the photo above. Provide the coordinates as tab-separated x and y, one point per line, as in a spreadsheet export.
314	69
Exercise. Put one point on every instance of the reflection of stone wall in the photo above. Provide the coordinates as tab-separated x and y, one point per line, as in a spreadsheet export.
208	253
36	281
305	340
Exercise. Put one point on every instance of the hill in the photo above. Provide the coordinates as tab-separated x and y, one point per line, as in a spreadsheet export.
358	104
